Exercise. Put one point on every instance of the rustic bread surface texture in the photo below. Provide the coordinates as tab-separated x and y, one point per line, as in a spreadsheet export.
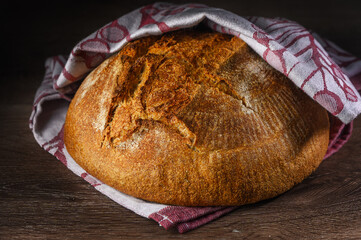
194	118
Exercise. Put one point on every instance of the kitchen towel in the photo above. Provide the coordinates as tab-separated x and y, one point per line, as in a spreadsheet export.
328	74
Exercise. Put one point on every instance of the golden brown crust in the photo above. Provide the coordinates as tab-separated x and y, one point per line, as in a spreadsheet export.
194	118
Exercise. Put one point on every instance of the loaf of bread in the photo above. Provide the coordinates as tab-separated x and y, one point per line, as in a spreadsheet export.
194	118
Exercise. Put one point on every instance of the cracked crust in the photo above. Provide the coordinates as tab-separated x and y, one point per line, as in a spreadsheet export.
194	118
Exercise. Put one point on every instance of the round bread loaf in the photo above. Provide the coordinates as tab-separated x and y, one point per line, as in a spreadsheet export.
194	118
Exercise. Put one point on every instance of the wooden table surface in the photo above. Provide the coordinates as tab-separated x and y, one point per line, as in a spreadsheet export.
41	199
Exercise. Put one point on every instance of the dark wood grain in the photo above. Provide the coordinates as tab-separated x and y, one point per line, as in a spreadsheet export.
41	199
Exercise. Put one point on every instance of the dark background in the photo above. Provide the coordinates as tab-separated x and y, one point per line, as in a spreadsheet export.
32	31
40	198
